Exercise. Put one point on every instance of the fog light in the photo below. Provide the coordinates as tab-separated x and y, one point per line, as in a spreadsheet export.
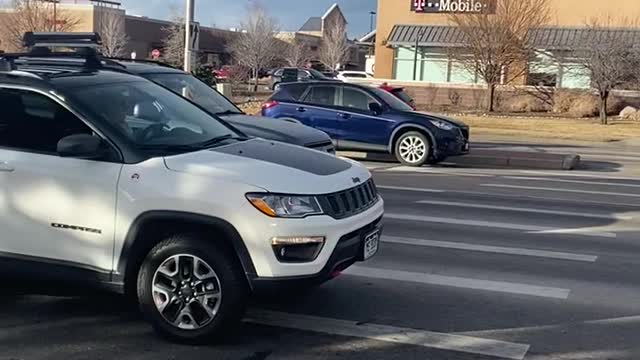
297	248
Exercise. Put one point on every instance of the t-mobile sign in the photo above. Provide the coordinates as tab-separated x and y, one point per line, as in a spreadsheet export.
454	6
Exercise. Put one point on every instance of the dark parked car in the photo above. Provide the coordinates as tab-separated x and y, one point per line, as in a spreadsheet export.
286	75
208	98
365	118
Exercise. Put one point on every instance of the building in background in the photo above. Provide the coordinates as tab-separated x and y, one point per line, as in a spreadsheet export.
402	23
315	29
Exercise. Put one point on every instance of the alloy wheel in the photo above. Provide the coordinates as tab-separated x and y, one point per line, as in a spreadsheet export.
413	149
186	292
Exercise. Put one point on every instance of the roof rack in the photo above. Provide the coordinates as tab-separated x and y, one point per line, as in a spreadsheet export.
41	43
142	61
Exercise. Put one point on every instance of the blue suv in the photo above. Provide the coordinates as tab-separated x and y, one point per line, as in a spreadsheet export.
363	118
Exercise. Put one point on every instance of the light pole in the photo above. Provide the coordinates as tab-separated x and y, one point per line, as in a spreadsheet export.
187	35
420	34
372	15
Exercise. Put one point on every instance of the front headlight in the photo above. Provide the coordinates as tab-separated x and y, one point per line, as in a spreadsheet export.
285	206
442	125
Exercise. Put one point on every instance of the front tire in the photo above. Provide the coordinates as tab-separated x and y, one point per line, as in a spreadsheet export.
191	290
413	149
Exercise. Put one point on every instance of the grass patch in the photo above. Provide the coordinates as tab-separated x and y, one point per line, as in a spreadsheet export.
553	128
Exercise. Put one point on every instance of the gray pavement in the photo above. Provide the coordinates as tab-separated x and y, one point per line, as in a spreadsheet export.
474	264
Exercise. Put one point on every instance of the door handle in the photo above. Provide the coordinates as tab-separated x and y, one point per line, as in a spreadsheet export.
5	167
301	109
344	116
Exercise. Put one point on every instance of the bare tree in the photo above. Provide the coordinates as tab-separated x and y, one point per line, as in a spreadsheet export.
173	50
495	44
112	32
256	46
297	54
611	57
335	46
33	15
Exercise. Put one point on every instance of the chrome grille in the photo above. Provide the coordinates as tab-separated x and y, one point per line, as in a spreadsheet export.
350	202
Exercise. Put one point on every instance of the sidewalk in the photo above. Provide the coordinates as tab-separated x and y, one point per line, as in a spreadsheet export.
621	157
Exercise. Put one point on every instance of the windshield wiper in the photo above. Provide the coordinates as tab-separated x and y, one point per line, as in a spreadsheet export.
216	140
192	147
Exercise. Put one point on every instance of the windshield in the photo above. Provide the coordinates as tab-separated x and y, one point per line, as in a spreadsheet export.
196	91
150	115
391	100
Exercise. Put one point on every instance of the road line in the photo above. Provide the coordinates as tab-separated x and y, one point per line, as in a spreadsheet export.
508	196
526	210
491	249
434	171
499	225
392	334
576	174
409	189
459	282
570	181
560	190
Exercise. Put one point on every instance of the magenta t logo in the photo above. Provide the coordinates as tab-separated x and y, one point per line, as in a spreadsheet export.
419	5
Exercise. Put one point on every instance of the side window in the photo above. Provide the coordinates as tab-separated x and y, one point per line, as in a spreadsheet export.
33	122
356	99
304	75
322	95
290	92
278	72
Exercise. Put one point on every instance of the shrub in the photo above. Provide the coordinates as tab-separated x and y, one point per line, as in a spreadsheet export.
523	104
584	105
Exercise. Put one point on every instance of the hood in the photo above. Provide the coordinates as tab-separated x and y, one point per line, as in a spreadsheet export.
433	116
273	166
278	130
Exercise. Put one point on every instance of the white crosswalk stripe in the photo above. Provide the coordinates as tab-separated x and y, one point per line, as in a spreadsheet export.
392	334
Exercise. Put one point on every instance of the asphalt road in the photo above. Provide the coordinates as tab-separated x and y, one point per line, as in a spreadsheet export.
474	264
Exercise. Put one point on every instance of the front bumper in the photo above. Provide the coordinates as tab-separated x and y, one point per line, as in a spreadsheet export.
453	144
347	252
256	231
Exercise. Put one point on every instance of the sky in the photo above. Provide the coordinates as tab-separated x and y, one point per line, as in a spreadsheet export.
291	14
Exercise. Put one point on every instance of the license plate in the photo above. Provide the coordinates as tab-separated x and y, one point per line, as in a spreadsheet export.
371	242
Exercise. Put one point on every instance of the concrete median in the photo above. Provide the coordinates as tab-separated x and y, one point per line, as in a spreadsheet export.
488	158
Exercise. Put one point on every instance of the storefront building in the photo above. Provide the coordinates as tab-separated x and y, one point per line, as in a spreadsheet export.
403	24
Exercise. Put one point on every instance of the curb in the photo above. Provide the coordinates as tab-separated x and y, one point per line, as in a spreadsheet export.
493	158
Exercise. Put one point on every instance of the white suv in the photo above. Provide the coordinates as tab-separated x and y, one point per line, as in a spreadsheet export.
109	180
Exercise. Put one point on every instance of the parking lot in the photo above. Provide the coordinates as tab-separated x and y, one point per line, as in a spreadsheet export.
474	264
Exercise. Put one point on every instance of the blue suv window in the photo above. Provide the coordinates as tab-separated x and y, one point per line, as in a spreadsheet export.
356	99
322	95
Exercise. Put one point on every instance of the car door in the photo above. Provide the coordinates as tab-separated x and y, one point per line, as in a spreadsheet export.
318	109
52	208
361	129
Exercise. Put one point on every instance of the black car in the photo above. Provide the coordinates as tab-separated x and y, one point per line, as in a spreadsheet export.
211	100
291	74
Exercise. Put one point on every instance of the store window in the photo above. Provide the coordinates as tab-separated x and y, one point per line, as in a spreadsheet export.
434	66
557	69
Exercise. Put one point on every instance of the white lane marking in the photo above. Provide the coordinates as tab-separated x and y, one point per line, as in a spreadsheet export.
576	174
570	181
499	225
491	249
459	282
507	196
409	189
435	171
560	190
392	334
526	210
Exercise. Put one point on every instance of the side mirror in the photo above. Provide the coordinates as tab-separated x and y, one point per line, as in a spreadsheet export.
81	146
375	108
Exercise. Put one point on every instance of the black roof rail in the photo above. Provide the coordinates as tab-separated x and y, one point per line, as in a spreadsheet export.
41	43
142	61
62	39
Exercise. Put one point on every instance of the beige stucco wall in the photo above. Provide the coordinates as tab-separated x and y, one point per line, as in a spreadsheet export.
564	13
